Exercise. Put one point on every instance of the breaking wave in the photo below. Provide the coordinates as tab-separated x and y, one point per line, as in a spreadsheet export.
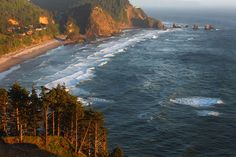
5	73
84	69
205	113
197	101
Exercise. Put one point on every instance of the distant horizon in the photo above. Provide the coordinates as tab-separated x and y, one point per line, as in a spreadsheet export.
193	4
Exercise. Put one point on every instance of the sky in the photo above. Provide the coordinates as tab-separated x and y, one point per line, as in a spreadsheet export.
185	3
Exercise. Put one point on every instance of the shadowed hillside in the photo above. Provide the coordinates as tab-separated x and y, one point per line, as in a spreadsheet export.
22	150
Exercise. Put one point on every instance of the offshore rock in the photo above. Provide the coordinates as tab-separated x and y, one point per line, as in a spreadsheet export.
209	27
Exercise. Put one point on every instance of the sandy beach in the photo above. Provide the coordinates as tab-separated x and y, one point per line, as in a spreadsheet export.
15	58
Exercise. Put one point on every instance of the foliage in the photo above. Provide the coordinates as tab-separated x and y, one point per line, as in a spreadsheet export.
26	15
114	7
77	130
80	10
117	152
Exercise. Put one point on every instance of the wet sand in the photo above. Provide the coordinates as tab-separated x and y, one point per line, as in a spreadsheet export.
13	59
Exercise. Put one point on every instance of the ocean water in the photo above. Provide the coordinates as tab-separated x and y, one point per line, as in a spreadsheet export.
163	93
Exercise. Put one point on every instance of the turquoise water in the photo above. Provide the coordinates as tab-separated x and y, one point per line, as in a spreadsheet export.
160	91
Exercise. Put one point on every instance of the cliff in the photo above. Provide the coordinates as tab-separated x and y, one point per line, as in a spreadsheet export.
101	24
100	17
138	18
25	22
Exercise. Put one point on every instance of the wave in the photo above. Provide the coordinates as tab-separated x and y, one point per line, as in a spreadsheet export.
84	69
5	73
190	39
93	100
208	113
197	101
149	116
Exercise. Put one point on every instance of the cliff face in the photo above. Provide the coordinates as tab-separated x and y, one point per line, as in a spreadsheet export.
138	18
101	24
100	17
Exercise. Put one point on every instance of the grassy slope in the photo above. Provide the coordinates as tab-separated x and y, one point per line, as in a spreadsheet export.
57	145
26	14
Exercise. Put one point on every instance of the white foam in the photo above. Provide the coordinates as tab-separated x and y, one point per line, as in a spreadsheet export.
5	73
99	100
205	113
190	39
197	101
154	37
83	69
91	100
103	63
83	101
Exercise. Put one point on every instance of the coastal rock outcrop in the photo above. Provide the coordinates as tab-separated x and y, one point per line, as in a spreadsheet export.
176	26
100	17
195	27
209	27
101	24
138	18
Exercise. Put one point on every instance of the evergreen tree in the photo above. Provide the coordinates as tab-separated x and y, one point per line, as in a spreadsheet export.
3	110
35	111
45	105
117	152
19	98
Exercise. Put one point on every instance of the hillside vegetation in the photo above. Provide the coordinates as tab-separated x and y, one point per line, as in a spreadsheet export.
22	24
116	8
25	22
115	15
54	121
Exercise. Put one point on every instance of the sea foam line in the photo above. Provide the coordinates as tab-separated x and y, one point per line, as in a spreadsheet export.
197	102
84	69
5	73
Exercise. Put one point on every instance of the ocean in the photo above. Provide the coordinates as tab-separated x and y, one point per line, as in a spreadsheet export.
163	93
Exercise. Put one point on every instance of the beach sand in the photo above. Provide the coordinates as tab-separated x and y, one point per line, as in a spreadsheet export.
13	59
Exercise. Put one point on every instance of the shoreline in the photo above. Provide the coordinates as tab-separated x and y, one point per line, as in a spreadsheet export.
12	59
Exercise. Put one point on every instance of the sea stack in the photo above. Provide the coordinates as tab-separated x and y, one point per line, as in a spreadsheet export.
176	26
209	27
195	27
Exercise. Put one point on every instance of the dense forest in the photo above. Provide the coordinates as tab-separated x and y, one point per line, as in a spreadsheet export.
114	7
50	117
20	25
80	10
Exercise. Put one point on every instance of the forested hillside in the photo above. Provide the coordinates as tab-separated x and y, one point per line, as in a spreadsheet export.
113	15
114	7
27	22
54	120
23	23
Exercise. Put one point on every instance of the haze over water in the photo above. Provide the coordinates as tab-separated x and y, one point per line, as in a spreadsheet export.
132	77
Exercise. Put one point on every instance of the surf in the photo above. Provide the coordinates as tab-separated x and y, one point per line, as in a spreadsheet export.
197	101
84	69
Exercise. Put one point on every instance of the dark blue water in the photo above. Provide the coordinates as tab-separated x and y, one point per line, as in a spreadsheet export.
132	77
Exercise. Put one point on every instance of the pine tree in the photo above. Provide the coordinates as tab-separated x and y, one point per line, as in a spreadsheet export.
35	110
19	98
3	110
117	152
45	105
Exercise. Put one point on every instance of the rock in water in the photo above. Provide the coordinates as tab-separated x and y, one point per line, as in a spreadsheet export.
195	27
176	26
209	27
